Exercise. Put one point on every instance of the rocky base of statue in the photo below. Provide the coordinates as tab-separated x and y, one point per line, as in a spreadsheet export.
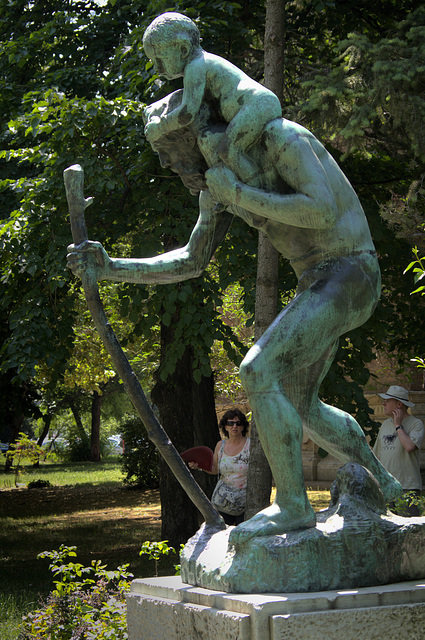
356	543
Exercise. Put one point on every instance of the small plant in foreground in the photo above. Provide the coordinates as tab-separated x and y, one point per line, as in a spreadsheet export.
155	551
88	603
22	450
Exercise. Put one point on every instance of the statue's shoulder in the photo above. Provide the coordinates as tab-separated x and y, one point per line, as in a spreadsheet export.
286	137
286	130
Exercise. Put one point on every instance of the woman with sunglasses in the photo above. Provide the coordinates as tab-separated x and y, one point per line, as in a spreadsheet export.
231	457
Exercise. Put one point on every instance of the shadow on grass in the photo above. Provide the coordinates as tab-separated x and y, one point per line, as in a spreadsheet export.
104	523
18	503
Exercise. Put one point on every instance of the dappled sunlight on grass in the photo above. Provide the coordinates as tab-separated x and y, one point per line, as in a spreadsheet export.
64	474
319	498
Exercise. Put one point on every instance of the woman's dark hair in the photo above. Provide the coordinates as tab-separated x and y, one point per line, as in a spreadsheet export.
233	413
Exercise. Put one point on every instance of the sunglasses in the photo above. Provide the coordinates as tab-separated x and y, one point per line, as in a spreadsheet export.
237	423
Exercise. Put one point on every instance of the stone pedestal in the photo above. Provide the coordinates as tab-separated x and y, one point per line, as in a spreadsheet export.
167	609
310	584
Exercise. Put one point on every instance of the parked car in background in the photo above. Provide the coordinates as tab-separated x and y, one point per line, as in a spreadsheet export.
116	444
58	445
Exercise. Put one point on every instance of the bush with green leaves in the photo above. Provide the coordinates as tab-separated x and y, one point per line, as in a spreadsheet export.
39	484
409	499
140	460
87	603
24	451
79	447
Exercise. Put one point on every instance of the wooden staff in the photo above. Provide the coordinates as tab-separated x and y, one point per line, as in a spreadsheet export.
74	187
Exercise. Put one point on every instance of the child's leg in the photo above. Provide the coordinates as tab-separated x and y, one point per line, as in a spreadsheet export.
242	131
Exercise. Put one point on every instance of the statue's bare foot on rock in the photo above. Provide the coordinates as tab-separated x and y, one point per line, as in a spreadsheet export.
273	521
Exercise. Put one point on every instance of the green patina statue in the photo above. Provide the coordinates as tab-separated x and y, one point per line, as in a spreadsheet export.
299	197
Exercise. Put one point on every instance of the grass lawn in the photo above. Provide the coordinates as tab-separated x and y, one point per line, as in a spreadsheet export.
87	507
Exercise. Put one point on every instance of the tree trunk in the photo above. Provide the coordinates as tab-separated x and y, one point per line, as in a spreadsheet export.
96	406
18	420
78	420
47	419
266	293
259	474
187	413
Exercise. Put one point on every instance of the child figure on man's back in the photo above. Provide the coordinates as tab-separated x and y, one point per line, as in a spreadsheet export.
172	42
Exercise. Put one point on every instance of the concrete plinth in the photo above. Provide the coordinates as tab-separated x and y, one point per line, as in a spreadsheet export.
167	609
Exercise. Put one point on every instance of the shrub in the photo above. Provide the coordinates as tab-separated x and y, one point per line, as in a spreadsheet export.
39	484
140	457
22	452
157	550
79	447
402	503
88	603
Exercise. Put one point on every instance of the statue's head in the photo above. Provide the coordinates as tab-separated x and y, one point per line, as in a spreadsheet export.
188	151
178	150
171	34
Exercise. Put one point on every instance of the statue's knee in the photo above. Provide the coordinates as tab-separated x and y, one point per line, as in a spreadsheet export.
250	375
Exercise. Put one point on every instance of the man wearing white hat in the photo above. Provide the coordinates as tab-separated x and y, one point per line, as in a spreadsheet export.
399	441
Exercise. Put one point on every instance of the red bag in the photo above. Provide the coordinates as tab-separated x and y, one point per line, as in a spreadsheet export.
203	456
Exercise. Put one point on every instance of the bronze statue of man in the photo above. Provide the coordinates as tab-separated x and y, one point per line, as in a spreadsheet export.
310	212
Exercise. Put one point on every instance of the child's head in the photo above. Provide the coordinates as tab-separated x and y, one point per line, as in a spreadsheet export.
170	30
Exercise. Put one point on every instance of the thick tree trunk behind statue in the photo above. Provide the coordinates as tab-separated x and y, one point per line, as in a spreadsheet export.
259	474
187	413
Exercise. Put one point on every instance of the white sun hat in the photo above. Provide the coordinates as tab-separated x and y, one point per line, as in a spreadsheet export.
398	393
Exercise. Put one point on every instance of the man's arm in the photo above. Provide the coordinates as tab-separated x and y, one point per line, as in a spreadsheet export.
312	205
174	266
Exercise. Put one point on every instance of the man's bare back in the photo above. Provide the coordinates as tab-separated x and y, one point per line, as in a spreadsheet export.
314	215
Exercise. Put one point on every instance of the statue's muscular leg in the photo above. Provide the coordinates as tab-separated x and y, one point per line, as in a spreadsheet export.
280	431
332	429
303	337
286	343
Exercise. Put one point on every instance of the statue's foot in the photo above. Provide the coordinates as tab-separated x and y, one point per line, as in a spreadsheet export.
273	521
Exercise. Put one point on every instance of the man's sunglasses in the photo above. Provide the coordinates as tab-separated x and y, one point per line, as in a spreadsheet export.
237	423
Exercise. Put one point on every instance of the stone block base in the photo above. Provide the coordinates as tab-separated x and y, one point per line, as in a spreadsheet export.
167	609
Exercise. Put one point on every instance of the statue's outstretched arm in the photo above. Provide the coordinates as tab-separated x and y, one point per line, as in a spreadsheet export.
173	266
